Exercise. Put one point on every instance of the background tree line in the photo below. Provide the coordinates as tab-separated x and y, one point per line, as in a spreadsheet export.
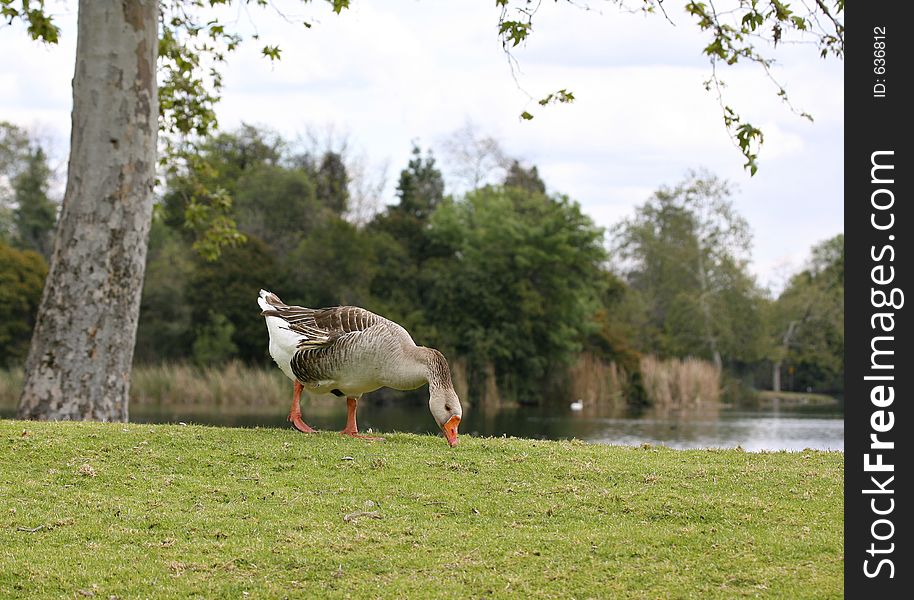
514	281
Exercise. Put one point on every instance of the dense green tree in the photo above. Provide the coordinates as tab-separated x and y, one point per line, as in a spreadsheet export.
14	146
228	286
7	230
402	245
201	197
333	266
259	197
277	205
617	324
166	331
332	183
421	186
213	343
14	149
35	214
527	179
685	253
396	288
298	246
261	192
235	152
420	190
520	285
807	323
22	274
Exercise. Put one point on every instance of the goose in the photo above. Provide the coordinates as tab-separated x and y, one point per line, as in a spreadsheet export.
349	351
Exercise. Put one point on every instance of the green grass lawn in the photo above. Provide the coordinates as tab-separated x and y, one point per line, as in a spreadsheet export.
163	511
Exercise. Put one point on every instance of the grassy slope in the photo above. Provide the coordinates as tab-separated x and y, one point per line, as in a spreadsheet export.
178	511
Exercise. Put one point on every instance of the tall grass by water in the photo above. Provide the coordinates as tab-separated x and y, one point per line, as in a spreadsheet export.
10	386
600	385
685	383
233	388
236	388
669	384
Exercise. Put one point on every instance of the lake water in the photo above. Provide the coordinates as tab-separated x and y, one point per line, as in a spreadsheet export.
775	428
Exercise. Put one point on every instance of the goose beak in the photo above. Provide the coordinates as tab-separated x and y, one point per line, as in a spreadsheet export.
450	430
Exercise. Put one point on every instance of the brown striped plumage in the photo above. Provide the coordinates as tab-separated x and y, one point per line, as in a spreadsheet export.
320	327
350	351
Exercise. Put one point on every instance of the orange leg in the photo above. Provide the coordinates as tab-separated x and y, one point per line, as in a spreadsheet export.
352	429
295	412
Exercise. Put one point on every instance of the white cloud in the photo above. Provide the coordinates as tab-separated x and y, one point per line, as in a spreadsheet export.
393	72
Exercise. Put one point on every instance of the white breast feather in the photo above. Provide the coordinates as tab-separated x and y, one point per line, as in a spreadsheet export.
283	342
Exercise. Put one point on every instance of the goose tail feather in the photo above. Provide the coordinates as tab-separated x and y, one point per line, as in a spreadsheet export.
283	342
268	301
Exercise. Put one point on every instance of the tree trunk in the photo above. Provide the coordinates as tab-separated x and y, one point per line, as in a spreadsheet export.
784	349
706	312
79	362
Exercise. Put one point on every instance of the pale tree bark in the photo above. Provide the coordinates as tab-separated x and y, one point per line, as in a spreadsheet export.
78	366
786	339
785	348
706	312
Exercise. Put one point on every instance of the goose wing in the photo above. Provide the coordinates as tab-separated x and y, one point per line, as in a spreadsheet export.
320	327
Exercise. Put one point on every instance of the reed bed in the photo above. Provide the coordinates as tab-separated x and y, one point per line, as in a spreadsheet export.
10	386
687	383
598	384
669	384
231	388
234	387
237	388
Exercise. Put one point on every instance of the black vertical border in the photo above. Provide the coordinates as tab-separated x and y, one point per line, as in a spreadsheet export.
874	123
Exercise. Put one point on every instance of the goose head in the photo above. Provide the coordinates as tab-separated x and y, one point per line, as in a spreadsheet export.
445	407
442	399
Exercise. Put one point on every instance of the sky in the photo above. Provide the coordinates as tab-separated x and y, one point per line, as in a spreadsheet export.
387	74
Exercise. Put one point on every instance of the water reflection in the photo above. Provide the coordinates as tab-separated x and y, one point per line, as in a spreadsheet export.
791	428
751	430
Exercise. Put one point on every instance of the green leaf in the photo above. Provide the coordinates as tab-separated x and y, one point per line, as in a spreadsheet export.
339	5
514	31
562	95
271	52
